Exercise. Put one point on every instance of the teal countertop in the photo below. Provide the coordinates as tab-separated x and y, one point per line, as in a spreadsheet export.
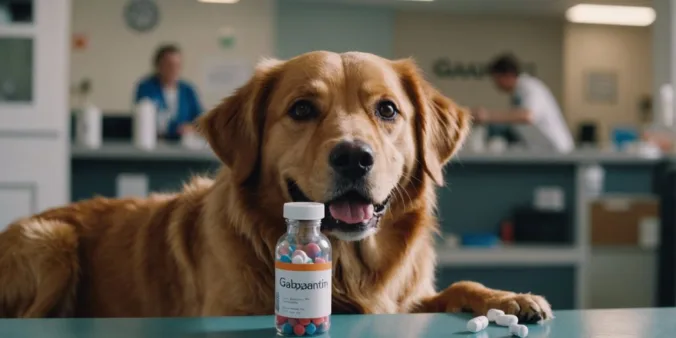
174	151
639	323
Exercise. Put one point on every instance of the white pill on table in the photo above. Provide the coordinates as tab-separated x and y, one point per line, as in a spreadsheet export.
298	259
477	324
518	330
493	314
486	321
506	320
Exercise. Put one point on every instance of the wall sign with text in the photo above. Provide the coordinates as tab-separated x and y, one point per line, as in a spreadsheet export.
449	69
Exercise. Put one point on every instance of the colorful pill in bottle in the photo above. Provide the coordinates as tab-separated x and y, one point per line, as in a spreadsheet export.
303	273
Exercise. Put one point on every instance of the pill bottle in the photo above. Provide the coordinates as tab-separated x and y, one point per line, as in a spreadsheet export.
303	273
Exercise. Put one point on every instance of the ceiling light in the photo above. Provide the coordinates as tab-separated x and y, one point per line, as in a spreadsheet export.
219	1
611	15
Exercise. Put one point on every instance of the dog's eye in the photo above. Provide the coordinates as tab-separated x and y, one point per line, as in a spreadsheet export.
302	110
386	110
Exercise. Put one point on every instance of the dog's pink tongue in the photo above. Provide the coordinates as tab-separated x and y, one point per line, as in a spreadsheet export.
351	213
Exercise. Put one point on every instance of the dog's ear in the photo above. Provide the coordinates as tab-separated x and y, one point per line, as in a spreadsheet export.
234	128
441	125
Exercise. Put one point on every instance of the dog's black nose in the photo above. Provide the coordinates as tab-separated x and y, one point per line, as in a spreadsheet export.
352	160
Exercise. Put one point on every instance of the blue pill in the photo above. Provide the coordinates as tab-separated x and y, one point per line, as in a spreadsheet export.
292	248
310	329
285	259
287	328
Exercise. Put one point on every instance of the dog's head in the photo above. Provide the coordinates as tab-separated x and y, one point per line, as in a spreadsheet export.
349	130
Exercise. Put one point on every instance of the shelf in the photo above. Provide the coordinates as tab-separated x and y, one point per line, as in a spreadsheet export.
17	31
539	157
629	197
622	249
127	151
510	256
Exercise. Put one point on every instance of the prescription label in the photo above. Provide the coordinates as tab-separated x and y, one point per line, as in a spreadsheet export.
302	290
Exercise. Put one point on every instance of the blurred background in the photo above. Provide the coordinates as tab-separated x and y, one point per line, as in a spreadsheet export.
97	98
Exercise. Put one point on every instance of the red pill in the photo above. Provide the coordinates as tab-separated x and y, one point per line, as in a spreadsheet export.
312	250
293	322
283	251
281	319
304	322
318	321
299	330
319	260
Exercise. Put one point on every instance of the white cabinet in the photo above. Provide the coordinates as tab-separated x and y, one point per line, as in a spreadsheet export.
34	118
35	83
16	201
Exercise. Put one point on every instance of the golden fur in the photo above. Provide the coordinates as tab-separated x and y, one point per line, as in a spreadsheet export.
208	250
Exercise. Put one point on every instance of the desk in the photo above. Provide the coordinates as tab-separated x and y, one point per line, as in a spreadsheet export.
640	323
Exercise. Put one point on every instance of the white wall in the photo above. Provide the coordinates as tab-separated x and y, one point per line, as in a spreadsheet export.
429	36
664	47
304	26
117	57
626	51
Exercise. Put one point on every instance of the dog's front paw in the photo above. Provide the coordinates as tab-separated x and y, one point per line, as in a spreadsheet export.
528	308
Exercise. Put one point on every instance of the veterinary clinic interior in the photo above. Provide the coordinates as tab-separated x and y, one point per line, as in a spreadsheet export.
565	186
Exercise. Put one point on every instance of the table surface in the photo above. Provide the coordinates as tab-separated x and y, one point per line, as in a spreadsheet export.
643	323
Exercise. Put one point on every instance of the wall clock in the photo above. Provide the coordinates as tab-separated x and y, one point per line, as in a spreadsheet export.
141	15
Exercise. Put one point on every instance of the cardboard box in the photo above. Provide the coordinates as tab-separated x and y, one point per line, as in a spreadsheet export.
622	220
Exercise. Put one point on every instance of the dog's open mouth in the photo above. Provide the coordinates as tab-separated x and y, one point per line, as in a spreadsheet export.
350	213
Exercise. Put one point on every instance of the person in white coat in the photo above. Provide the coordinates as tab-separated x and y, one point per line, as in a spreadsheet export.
535	116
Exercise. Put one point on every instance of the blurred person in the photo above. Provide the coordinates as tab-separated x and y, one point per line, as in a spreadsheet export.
176	100
535	116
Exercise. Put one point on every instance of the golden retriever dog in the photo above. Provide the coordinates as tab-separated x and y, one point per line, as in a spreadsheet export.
366	136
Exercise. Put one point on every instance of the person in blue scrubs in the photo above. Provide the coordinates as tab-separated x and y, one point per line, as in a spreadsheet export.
176	100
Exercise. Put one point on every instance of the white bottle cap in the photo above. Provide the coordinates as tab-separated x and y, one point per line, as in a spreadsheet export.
305	211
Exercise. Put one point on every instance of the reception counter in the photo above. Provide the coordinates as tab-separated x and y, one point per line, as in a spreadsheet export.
175	151
481	190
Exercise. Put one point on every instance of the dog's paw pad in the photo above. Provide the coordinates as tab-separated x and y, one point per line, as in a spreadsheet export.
528	308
